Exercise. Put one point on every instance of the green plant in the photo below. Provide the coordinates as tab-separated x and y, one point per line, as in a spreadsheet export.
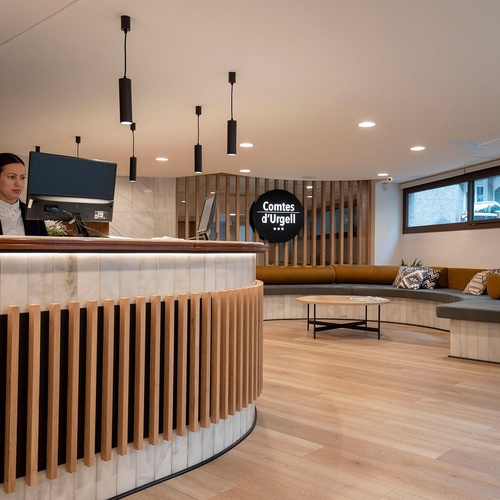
416	263
55	228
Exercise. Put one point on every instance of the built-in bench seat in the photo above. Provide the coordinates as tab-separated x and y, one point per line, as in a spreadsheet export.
472	320
455	304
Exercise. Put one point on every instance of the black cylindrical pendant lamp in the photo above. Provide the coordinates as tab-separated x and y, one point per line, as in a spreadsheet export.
198	161
125	84
125	88
231	124
231	137
133	169
132	176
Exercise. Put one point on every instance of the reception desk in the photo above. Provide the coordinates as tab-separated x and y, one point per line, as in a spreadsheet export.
123	362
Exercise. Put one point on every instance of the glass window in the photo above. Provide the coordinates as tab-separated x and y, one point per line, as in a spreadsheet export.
487	198
442	205
445	205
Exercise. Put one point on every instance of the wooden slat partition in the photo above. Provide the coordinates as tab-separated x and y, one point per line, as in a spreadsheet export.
332	222
194	362
215	337
123	375
73	371
10	452
182	358
33	395
154	371
251	346
54	376
107	380
140	371
239	351
323	239
90	385
168	359
224	355
206	345
233	322
215	358
260	320
246	343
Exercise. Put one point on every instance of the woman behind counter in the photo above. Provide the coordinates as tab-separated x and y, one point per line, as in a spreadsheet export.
13	211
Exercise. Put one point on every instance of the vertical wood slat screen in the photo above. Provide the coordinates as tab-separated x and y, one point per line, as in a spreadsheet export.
123	378
33	395
53	389
12	386
168	357
91	384
154	371
337	217
140	372
73	370
194	362
218	342
107	381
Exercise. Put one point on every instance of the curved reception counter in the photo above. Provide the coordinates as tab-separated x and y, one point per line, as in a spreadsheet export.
123	362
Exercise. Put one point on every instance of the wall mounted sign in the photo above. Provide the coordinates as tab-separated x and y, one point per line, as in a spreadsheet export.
277	216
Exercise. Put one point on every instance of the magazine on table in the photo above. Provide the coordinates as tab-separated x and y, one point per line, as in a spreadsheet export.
367	298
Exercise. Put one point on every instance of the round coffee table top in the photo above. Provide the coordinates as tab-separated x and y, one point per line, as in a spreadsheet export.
343	300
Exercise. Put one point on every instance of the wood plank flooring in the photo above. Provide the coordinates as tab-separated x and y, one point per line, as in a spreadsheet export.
348	417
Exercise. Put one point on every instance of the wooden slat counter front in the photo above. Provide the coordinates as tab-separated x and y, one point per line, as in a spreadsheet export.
123	362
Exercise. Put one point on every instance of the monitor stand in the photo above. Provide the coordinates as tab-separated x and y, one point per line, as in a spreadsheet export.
82	229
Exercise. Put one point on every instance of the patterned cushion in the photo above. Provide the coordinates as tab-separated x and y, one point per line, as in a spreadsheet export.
477	285
409	277
431	278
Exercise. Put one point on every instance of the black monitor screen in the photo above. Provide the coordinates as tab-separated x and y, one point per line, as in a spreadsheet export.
207	217
65	187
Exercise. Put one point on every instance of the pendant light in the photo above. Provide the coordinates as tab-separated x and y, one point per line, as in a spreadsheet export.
133	160
197	147
78	140
125	84
231	124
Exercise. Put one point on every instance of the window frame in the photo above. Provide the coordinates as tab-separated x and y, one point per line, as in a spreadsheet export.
469	178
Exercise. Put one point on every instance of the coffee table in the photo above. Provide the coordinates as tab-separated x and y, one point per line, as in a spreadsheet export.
343	300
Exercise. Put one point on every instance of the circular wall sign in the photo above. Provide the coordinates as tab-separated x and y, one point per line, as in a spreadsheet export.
277	216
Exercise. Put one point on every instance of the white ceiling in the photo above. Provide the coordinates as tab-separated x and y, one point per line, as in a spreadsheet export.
308	71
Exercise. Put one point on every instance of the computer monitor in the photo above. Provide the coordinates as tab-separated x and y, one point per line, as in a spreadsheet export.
67	188
206	226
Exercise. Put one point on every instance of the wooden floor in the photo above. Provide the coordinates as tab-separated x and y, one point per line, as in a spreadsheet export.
347	416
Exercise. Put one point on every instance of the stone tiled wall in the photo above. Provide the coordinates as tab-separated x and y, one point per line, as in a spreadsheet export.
144	209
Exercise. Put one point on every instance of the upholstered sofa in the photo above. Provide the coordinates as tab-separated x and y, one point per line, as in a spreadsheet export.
472	320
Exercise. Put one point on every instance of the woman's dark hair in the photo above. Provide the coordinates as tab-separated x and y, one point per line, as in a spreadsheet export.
8	158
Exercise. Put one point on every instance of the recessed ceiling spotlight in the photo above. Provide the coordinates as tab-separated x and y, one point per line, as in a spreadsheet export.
366	124
246	145
244	170
383	174
161	158
309	195
309	186
417	148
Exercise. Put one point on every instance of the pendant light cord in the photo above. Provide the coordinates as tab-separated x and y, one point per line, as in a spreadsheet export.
232	101
125	54
198	139
133	139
